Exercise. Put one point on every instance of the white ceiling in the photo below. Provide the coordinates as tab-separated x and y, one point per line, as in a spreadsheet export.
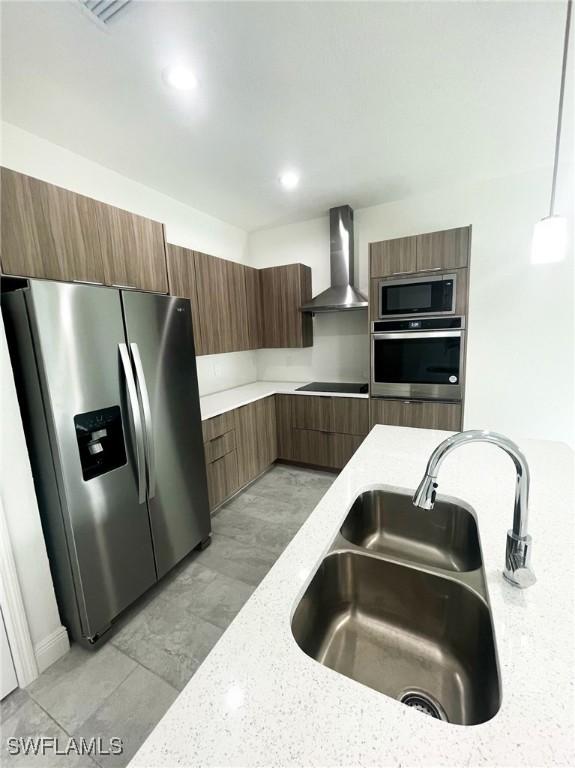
370	101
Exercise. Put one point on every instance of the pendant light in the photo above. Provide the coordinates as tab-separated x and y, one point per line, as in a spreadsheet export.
550	234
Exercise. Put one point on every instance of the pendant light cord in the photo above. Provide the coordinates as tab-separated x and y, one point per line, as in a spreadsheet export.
560	115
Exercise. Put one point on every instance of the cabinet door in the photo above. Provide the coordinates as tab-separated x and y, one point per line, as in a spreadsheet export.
416	413
213	309
222	478
237	306
350	415
311	447
342	448
393	257
133	250
256	438
448	249
48	232
267	431
284	289
182	282
247	443
254	307
284	420
313	412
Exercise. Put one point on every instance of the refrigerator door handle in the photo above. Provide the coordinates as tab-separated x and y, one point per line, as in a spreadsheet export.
147	411
136	419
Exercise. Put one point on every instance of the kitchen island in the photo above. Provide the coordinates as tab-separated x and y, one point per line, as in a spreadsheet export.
259	700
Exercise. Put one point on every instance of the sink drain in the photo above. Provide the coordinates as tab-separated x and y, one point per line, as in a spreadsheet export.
423	703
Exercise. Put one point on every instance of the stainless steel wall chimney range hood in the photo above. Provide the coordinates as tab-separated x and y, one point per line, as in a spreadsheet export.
341	294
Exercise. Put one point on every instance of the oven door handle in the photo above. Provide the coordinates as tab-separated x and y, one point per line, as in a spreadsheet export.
417	335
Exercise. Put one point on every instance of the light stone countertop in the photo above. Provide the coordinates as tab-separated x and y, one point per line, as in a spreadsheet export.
258	700
228	399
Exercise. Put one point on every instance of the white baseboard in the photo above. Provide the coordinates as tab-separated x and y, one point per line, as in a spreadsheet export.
51	648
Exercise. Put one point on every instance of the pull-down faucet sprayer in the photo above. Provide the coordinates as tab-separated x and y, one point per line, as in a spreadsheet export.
518	551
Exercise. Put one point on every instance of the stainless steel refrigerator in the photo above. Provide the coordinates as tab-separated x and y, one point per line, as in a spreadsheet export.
109	396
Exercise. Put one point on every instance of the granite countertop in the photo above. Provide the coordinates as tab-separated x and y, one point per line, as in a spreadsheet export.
228	399
259	700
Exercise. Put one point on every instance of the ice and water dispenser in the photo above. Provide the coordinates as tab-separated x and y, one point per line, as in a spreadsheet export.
100	441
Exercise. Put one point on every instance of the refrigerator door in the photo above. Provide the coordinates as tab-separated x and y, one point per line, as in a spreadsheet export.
160	336
78	334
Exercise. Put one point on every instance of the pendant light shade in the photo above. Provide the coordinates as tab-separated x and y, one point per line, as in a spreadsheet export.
550	234
549	240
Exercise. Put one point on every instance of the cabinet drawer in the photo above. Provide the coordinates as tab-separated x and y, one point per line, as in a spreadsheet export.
222	478
311	446
416	413
219	446
312	412
350	415
342	448
218	425
324	449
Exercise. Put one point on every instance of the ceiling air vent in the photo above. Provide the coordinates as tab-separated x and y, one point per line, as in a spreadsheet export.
104	11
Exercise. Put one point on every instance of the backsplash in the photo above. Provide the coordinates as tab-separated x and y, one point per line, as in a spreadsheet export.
217	372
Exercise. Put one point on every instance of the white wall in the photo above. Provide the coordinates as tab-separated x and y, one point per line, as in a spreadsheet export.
23	520
520	341
24	152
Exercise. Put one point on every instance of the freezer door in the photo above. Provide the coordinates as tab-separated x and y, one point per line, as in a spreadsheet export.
78	335
159	332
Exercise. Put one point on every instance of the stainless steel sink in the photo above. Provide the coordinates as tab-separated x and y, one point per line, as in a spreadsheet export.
420	637
388	523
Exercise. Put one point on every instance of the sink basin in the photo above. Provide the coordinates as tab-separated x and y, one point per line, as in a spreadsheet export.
416	636
387	522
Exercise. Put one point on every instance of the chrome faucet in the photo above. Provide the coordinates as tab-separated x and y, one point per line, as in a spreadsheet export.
518	550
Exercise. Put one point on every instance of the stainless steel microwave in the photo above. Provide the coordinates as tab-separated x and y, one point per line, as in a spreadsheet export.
429	296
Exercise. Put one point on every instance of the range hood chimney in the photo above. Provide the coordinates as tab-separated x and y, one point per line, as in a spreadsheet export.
341	295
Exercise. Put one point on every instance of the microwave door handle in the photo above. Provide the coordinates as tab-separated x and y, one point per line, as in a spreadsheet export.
136	419
147	411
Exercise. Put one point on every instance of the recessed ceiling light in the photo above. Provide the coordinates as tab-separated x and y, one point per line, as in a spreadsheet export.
289	180
181	78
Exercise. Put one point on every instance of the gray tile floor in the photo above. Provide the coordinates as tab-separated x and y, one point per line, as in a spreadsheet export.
125	687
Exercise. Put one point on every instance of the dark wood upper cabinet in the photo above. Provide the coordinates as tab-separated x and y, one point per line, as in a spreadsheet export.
254	307
448	249
236	306
52	233
284	289
133	250
222	304
48	232
393	257
213	312
182	282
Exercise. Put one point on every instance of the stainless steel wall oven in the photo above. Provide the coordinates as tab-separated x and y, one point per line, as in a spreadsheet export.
419	358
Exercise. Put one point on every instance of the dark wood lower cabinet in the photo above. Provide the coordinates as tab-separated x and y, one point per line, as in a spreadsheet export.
222	478
324	449
320	431
256	438
342	448
416	413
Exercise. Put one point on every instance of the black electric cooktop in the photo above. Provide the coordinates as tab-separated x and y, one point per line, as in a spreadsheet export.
330	386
